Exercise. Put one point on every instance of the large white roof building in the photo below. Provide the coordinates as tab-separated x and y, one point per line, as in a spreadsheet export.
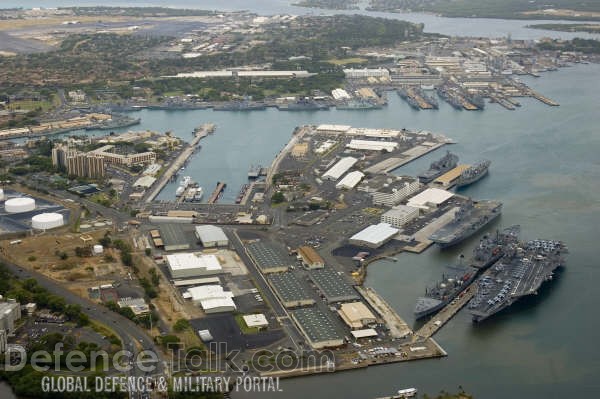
212	298
430	198
350	180
341	167
211	236
374	236
184	265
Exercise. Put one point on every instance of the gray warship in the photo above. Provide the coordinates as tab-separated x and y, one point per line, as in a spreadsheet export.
520	272
439	167
468	220
473	174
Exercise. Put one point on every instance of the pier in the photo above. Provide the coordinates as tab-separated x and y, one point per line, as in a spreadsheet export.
214	197
390	164
398	327
199	134
543	99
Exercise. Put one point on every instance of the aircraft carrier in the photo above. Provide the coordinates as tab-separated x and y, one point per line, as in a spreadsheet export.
456	278
469	219
439	167
473	174
523	268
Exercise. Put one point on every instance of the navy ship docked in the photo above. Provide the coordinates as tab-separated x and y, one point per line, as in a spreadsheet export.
303	104
439	167
468	220
358	104
240	106
488	252
454	281
524	267
473	174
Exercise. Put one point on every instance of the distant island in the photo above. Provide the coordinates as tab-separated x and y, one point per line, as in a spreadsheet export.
589	28
508	9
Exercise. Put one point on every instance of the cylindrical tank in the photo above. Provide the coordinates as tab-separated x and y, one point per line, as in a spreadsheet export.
45	221
20	204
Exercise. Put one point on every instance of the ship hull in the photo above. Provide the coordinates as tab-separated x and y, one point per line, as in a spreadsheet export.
448	243
472	180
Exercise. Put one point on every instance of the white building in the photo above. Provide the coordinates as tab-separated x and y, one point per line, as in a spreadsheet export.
10	312
256	320
395	190
350	180
212	298
352	73
340	94
430	198
399	215
372	145
185	265
211	236
333	129
374	236
341	167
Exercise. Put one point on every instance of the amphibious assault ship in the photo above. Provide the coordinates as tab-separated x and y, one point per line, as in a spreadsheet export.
240	106
454	281
469	219
303	104
521	271
473	174
439	167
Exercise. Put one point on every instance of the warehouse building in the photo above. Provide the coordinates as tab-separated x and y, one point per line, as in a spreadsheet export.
256	321
267	258
173	238
317	327
374	236
310	257
364	73
341	167
333	129
290	290
185	265
393	190
356	315
333	286
212	298
350	180
211	236
399	215
430	198
372	145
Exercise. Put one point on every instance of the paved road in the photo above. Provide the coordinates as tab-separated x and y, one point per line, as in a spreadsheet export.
128	331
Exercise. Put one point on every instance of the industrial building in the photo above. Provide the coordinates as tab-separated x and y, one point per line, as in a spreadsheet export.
211	236
256	321
390	190
138	306
430	198
10	312
317	327
374	236
364	73
372	145
333	129
212	298
340	94
145	181
289	289
333	286
185	265
356	315
350	180
341	167
267	258
399	215
310	257
173	238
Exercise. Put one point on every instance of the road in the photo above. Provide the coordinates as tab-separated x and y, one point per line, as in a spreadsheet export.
131	335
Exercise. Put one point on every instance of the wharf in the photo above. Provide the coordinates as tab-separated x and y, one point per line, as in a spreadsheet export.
422	236
415	95
543	99
444	315
503	102
214	197
390	164
187	152
398	327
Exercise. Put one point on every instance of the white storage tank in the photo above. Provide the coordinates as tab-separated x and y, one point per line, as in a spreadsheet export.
98	249
1	194
45	221
20	204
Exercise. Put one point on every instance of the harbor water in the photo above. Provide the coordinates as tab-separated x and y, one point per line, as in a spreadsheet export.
545	169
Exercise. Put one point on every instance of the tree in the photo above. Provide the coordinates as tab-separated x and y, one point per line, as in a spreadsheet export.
181	325
278	198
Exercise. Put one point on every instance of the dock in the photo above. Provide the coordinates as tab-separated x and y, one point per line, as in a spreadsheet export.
543	99
214	197
398	327
186	153
444	315
390	164
422	236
